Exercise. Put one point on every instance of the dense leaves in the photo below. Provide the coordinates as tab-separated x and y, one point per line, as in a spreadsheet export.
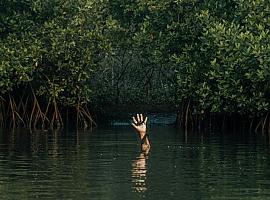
200	56
49	49
237	79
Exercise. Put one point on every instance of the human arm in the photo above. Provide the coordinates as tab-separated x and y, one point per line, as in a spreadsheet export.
139	123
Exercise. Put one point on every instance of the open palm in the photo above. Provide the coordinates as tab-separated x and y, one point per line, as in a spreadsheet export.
139	123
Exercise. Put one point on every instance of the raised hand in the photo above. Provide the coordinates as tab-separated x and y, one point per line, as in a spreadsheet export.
139	123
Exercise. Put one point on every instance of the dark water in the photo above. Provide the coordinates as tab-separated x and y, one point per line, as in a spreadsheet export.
107	164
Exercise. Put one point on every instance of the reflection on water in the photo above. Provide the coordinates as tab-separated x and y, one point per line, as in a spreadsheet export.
139	173
107	164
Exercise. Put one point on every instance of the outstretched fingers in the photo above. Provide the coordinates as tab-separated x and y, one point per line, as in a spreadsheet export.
134	120
134	125
141	118
138	118
145	121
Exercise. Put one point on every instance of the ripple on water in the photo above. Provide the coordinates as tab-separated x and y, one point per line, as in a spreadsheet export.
107	164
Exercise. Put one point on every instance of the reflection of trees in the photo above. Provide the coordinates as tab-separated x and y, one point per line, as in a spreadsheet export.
139	170
231	167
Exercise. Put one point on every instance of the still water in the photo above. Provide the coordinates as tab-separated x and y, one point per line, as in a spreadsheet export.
107	164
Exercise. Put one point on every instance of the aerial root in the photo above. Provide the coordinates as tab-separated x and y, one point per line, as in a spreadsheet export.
84	118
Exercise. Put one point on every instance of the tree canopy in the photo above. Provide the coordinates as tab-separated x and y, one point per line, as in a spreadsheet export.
200	56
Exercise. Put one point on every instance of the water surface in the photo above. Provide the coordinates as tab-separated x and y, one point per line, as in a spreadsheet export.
107	164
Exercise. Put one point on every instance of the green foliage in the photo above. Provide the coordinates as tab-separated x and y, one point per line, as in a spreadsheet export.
212	54
53	45
237	79
49	50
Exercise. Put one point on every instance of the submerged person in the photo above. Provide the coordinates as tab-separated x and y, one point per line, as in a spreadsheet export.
139	167
139	123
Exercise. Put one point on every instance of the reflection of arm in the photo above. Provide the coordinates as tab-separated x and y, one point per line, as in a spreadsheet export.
139	169
139	165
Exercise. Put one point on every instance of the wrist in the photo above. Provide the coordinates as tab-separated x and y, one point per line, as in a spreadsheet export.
142	134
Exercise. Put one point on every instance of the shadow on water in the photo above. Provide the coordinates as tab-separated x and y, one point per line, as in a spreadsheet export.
107	164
